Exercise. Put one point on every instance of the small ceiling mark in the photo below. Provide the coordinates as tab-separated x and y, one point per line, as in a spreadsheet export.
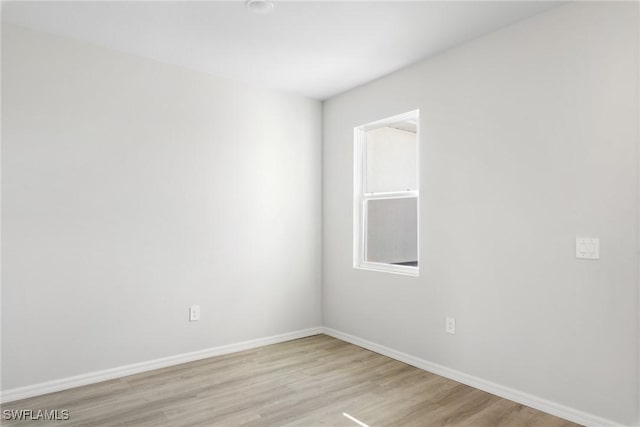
261	7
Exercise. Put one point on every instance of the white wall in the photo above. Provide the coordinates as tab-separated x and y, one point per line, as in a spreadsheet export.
529	139
133	189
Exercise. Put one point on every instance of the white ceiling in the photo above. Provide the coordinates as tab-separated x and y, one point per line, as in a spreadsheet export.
314	48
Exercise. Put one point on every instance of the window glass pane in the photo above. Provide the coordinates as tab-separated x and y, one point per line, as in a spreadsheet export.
392	231
391	163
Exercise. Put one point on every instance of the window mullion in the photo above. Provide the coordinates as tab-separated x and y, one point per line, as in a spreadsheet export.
391	195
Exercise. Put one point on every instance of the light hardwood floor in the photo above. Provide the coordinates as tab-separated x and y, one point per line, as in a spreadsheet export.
304	383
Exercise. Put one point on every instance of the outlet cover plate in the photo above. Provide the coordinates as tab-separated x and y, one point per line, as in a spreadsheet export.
450	325
194	313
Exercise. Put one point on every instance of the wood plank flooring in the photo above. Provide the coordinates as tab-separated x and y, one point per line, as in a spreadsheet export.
303	383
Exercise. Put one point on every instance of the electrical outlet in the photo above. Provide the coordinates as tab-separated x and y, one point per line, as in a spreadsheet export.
194	313
450	325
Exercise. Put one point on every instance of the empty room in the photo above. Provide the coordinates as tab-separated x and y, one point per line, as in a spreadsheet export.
320	213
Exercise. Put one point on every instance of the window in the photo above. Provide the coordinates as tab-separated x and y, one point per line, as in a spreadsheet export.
386	193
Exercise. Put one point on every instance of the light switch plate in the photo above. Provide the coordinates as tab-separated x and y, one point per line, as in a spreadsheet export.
587	248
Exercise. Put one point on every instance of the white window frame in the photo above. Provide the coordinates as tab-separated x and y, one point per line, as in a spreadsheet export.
361	198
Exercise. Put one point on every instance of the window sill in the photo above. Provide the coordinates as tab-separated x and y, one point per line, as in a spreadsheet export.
389	268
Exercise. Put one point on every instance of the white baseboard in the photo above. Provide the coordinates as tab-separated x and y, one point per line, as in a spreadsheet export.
526	399
136	368
535	402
